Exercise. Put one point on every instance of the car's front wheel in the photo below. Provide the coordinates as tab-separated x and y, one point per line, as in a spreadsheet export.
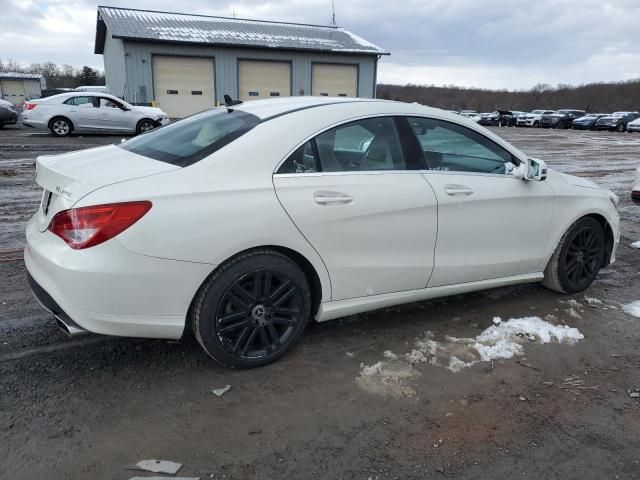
620	128
578	257
145	125
252	310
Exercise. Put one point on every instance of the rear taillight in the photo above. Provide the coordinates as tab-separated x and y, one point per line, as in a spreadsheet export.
86	227
29	106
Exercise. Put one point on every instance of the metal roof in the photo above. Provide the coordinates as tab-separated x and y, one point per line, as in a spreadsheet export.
148	25
20	76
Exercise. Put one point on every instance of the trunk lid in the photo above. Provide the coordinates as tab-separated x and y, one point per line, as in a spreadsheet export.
67	178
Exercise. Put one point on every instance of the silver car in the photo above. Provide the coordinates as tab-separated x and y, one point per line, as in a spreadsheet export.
90	112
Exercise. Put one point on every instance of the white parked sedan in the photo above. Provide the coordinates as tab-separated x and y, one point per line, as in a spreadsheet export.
634	126
244	223
90	112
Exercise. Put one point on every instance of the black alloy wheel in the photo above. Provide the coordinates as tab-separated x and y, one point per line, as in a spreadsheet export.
258	314
583	254
252	311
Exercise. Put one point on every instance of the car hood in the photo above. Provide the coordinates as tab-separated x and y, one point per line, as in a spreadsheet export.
151	111
636	122
584	119
609	119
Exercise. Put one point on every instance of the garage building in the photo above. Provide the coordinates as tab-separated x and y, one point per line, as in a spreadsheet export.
187	63
16	87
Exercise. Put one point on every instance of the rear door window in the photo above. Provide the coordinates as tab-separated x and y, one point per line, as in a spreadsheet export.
190	140
364	145
79	100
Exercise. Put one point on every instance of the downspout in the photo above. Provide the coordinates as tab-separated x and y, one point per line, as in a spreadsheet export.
375	76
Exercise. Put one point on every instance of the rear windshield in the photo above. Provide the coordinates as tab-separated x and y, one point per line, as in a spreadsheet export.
188	141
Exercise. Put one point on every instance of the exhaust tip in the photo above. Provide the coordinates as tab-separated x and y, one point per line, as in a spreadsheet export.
69	328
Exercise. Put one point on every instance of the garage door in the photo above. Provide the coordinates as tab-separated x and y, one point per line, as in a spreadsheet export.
183	85
13	91
333	80
259	79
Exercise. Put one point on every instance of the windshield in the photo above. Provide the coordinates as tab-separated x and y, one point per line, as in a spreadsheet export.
537	112
188	141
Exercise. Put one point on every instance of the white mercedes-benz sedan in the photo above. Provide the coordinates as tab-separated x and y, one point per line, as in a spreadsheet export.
90	112
243	223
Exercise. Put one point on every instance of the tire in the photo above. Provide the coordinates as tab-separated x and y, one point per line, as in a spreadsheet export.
536	124
145	125
60	127
577	259
620	128
252	310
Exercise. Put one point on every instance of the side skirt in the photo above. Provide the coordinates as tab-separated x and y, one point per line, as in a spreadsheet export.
351	306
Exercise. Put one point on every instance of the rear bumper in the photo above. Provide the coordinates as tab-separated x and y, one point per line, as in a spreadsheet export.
9	119
633	128
109	290
49	304
34	123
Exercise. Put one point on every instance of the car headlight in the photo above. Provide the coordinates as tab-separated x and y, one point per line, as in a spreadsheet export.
615	199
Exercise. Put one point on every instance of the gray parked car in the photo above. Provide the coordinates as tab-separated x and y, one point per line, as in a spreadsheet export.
8	113
90	112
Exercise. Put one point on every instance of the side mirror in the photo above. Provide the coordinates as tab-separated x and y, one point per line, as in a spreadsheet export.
125	108
536	170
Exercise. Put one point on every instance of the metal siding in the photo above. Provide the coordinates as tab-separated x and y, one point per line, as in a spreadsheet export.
138	66
114	68
32	88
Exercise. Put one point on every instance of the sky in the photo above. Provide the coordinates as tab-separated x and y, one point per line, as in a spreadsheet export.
497	44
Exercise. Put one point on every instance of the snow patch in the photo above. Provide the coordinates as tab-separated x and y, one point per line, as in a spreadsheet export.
518	171
632	309
502	340
635	244
593	302
391	378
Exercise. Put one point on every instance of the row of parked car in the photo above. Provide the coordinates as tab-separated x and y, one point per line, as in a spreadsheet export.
564	118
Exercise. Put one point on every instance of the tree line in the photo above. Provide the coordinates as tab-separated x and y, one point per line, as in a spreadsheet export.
57	76
593	97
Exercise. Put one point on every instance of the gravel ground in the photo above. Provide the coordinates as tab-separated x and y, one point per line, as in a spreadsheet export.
93	406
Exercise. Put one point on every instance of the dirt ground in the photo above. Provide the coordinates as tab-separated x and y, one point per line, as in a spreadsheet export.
93	406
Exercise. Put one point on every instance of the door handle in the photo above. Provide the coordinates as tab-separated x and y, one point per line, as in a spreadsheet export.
329	198
457	190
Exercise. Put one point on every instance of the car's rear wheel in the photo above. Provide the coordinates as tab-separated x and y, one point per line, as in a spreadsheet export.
577	259
252	310
536	124
145	125
60	127
620	128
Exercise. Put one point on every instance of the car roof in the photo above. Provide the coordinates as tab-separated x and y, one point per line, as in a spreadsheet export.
66	95
271	108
